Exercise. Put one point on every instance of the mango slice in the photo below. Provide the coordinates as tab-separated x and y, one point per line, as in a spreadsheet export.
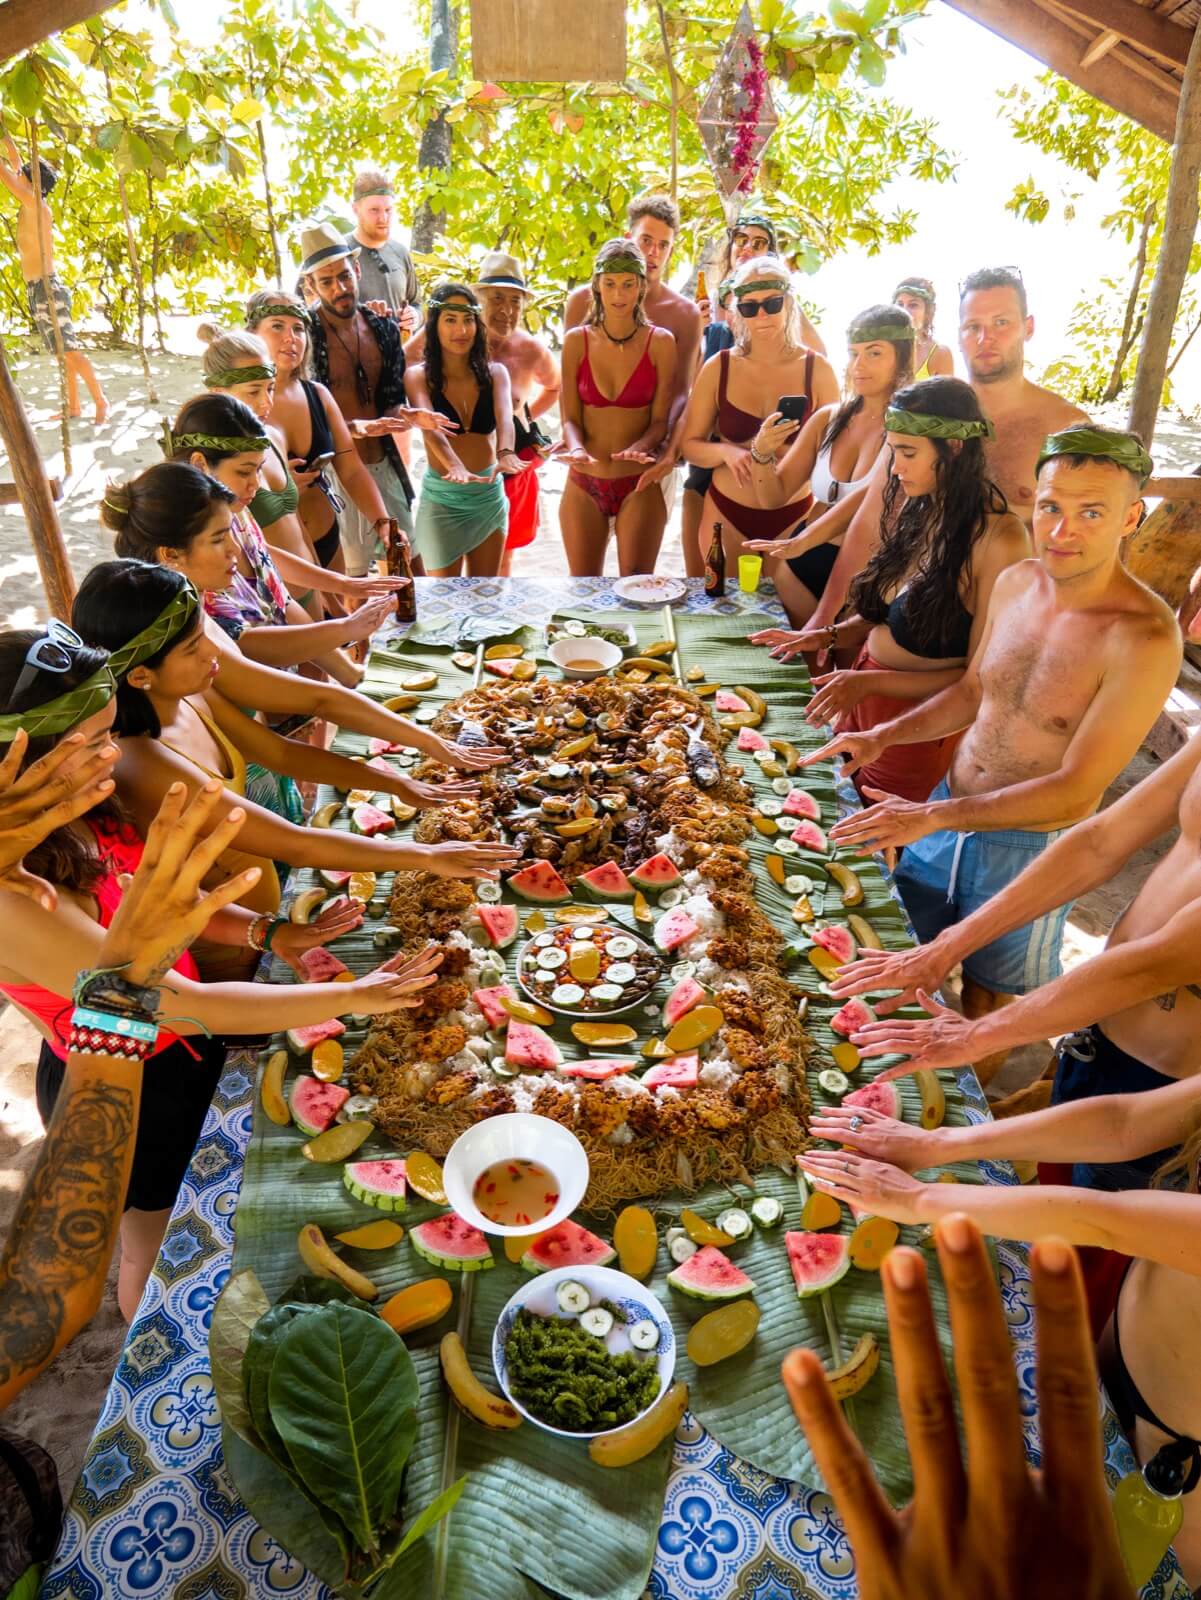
723	1333
604	1035
845	1056
820	1211
702	1232
777	868
636	1240
701	1023
338	1142
327	1061
871	1242
584	964
271	1090
526	1011
418	1306
380	1235
423	1174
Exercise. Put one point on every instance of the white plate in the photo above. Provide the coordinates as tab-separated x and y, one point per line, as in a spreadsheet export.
649	590
540	1295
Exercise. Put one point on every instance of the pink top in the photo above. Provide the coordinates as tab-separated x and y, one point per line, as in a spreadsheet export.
120	852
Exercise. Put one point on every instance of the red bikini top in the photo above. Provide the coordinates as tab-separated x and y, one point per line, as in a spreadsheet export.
640	385
735	425
120	853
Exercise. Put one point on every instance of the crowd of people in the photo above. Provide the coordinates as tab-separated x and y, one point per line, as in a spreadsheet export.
950	556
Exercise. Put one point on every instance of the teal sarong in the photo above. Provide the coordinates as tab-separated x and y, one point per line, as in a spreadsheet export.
454	518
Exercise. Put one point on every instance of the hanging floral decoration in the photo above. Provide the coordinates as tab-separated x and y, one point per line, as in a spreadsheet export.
737	116
747	143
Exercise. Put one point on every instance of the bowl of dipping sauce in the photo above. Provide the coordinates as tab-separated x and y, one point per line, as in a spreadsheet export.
584	658
515	1174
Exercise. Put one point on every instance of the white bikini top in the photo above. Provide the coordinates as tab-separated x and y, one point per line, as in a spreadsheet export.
824	486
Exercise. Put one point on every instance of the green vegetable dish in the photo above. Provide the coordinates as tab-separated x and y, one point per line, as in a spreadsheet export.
567	1378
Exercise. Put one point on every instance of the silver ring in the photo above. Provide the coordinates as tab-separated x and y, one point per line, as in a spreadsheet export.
856	1123
846	1166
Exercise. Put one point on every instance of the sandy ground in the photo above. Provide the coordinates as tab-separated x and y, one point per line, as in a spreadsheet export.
61	1408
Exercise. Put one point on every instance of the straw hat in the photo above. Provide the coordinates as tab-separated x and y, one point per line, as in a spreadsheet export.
500	271
323	242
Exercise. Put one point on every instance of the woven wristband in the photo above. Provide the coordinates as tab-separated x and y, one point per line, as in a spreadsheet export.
127	1027
86	1041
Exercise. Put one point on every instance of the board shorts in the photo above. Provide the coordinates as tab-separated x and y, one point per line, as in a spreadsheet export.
39	310
947	875
361	543
521	491
1089	1063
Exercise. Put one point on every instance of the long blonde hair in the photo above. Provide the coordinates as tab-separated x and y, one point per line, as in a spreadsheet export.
614	250
230	348
772	268
1187	1160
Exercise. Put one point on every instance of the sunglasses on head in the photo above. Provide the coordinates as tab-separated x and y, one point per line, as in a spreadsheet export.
771	304
53	652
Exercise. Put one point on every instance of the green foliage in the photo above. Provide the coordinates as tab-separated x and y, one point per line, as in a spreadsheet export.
544	170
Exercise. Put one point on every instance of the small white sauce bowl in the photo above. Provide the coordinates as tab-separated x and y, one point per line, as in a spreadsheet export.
516	1136
566	652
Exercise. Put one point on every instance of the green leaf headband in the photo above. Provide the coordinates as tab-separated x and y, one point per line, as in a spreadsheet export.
871	332
619	264
64	713
232	375
753	219
279	310
455	302
173	443
922	426
917	291
169	624
1108	444
380	188
761	283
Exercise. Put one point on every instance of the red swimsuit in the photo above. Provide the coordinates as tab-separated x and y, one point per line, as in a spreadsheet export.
739	427
639	392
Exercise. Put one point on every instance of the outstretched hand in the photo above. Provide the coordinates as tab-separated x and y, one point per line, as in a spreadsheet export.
293	940
57	789
837	693
888	823
857	750
945	1040
907	971
987	1524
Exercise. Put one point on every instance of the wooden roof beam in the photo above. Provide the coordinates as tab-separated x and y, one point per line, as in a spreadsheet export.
1055	44
1165	40
1101	46
24	23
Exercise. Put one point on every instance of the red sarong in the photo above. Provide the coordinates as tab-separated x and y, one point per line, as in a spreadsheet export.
521	491
909	770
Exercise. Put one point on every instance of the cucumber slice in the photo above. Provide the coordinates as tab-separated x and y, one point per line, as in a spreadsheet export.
798	883
502	1069
682	970
770	808
766	1211
680	1247
672	897
489	893
572	1297
598	1321
385	938
736	1223
833	1081
357	1107
644	1335
781	786
786	847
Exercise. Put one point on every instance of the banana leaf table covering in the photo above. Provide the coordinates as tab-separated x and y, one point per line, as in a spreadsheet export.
155	1512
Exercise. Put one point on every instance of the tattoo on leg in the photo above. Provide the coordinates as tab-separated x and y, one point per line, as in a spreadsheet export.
64	1221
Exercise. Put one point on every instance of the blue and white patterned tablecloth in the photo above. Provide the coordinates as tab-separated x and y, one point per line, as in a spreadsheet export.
155	1513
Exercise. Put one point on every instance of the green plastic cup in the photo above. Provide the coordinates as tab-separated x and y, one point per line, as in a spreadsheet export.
750	569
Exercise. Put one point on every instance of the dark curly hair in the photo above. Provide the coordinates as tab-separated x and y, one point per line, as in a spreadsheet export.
874	317
477	358
932	536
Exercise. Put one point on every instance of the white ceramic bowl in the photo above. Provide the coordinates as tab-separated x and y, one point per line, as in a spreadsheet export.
565	652
516	1136
602	1283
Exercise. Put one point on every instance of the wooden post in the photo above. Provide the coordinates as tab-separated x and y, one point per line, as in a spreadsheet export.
437	135
34	492
60	352
674	81
1179	228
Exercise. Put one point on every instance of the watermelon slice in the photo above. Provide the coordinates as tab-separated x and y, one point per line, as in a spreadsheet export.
675	928
451	1243
818	1260
680	1072
596	1071
809	836
314	1104
489	1002
539	882
797	803
837	940
371	820
383	747
321	966
334	879
606	882
751	739
377	1183
854	1015
500	669
656	873
302	1040
727	700
877	1096
709	1275
528	1047
500	923
686	994
568	1245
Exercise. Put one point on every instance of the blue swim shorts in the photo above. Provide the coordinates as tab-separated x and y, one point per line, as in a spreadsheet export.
946	876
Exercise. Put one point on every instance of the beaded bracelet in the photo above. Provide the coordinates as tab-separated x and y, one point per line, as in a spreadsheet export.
256	933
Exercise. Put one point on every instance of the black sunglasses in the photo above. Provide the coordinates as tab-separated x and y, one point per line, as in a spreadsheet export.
752	308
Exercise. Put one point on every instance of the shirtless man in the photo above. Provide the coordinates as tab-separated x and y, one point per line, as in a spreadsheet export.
534	379
35	247
1075	663
358	356
652	222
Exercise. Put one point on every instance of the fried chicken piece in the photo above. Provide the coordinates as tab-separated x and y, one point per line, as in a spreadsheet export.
642	1114
493	1103
720	870
745	1049
728	951
451	1088
600	1112
445	894
442	997
438	1044
714	1110
557	1104
455	959
733	906
739	1010
757	1092
440	923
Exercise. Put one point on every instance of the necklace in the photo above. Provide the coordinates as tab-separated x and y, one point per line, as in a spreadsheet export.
362	383
612	337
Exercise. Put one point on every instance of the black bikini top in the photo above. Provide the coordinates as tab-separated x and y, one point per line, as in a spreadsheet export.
483	418
955	643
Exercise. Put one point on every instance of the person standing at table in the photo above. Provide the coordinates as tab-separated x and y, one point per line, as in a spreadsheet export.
533	384
915	296
387	279
619	377
357	355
